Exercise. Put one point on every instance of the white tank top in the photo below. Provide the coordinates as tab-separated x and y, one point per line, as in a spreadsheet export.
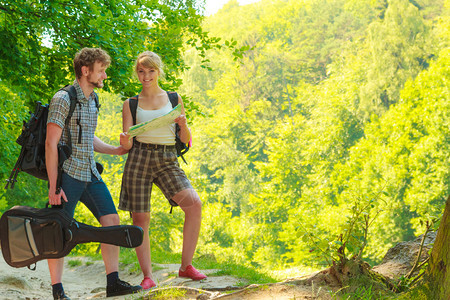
160	136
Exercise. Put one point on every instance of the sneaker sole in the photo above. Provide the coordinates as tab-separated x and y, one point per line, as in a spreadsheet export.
196	279
121	293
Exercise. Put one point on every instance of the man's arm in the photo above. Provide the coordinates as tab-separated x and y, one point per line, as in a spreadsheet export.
51	162
102	147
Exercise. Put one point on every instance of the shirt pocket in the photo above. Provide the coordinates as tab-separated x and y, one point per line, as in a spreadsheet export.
93	114
88	123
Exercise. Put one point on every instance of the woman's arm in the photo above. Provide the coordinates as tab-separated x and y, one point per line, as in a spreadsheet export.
185	133
127	122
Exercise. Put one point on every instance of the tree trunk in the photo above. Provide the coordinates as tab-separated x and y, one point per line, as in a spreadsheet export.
437	275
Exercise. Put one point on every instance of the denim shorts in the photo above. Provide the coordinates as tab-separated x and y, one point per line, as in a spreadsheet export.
95	195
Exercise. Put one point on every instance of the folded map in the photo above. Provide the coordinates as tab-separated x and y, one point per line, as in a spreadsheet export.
159	122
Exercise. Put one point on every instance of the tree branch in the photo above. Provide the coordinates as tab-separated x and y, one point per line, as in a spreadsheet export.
416	263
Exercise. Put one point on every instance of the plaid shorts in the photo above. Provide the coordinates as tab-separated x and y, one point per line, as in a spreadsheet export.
148	164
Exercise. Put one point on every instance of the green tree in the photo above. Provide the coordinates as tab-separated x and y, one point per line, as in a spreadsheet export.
40	39
397	46
287	144
405	153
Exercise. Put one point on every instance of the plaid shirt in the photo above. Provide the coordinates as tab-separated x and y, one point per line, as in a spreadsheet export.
81	163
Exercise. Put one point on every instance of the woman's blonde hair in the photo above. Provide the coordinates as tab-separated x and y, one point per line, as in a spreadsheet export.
149	59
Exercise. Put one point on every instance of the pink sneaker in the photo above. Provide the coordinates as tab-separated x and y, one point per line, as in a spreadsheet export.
191	273
147	283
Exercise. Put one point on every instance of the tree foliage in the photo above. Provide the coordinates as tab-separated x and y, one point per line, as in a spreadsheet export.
329	137
40	39
339	109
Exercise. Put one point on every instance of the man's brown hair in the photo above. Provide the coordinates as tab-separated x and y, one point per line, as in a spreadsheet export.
88	57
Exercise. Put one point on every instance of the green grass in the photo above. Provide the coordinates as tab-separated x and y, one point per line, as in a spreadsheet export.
170	293
248	275
74	263
363	288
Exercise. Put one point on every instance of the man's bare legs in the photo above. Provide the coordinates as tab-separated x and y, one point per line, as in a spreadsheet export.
110	253
56	266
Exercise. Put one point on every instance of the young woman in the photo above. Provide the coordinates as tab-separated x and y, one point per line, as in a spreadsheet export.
152	159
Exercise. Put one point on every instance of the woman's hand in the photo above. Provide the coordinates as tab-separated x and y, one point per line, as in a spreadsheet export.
125	141
124	138
181	121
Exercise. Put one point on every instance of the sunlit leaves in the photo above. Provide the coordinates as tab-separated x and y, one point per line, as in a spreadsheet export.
41	39
325	157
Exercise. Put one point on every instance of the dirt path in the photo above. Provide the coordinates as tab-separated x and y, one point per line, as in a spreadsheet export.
88	281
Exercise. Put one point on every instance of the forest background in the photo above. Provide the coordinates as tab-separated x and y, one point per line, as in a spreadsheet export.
314	122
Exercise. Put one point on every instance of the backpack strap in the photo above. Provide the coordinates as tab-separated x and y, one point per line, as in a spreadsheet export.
70	89
173	97
97	104
133	103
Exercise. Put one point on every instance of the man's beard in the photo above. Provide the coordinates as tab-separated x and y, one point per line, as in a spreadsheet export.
97	84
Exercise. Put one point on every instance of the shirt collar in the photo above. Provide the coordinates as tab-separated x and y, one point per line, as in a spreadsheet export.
80	94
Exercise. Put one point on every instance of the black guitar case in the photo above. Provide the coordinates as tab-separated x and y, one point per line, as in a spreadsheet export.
30	234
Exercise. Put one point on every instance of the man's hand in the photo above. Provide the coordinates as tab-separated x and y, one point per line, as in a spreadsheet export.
121	150
54	198
51	162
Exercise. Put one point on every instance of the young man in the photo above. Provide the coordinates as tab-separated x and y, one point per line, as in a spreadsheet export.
80	179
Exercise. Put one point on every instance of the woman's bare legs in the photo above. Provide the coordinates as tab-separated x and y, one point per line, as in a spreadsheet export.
190	203
143	252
